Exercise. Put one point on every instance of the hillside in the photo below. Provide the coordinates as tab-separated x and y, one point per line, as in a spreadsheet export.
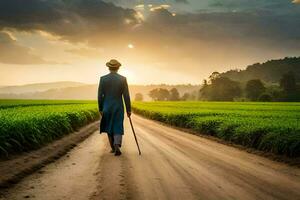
37	87
90	92
269	72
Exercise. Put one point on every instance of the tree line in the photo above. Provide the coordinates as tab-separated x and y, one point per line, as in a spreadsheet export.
161	94
220	88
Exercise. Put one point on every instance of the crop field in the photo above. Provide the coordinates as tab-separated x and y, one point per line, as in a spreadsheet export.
23	103
270	127
29	124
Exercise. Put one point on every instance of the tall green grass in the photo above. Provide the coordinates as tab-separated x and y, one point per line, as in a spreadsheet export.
270	127
31	124
4	103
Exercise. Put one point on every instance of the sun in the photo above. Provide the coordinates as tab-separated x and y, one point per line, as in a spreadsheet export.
130	46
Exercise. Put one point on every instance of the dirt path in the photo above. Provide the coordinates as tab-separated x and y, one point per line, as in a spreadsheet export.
174	165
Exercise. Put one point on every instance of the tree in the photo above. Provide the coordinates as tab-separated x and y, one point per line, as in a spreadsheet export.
186	96
254	88
174	95
139	97
159	94
204	91
288	82
225	89
213	77
220	89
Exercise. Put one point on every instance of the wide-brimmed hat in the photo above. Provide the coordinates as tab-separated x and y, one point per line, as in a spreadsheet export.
113	63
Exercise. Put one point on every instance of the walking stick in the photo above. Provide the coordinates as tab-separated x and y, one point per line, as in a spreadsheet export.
137	144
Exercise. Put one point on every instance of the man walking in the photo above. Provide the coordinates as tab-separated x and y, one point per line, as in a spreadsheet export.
113	88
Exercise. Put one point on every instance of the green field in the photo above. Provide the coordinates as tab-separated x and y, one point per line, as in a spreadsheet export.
270	127
29	124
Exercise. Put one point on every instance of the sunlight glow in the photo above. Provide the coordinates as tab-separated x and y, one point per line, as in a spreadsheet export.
48	35
165	6
127	21
10	34
140	17
129	74
130	46
140	6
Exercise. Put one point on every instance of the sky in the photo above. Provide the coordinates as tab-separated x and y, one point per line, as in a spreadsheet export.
157	41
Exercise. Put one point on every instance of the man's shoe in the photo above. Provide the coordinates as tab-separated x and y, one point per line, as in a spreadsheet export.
117	150
118	153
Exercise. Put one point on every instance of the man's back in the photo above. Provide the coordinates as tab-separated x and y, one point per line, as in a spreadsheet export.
112	89
113	85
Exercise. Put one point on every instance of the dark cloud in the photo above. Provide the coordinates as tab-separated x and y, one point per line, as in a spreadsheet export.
72	20
247	24
13	53
182	1
85	52
282	29
92	20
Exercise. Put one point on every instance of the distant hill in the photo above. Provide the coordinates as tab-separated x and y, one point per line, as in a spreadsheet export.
37	87
90	92
269	72
80	92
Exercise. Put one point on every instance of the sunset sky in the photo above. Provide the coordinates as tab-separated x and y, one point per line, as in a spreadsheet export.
157	41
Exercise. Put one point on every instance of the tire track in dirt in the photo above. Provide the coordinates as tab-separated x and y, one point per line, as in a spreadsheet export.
111	182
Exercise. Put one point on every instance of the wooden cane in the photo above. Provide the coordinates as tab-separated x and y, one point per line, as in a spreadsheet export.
135	136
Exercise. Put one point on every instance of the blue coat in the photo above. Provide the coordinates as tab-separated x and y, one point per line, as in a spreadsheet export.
112	90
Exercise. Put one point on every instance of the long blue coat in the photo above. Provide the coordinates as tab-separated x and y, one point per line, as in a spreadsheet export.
113	88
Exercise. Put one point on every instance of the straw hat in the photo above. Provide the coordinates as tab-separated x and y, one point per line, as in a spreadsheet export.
113	64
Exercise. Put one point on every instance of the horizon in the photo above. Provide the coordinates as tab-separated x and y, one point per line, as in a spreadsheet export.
133	84
170	41
83	83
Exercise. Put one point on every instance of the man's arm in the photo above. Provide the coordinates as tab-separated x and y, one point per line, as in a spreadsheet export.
100	96
127	98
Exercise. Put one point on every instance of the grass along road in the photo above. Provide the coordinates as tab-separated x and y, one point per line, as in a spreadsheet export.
27	125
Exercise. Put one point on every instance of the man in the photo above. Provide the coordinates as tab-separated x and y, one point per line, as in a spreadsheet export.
113	88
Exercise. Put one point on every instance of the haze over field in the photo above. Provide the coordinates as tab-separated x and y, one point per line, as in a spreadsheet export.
170	41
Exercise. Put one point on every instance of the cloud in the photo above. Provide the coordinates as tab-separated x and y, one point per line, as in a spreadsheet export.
86	52
182	1
13	53
69	19
159	35
92	21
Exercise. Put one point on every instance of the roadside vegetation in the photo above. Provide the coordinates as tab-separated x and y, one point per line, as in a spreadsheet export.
29	124
270	127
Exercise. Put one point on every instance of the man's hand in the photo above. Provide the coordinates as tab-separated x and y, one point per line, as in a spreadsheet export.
128	114
101	113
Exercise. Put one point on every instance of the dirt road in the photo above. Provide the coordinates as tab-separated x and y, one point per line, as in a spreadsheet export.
173	165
